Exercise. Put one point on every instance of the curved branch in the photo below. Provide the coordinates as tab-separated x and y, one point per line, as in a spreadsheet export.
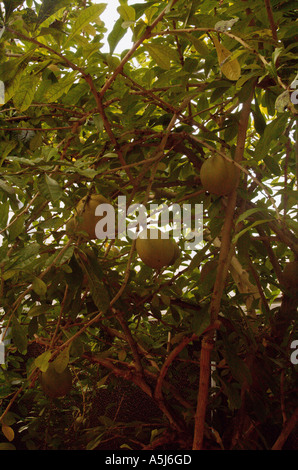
288	428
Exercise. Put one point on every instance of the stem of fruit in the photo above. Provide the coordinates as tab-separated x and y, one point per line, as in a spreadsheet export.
225	255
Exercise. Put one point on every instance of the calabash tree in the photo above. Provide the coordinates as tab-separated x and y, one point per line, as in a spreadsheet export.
212	350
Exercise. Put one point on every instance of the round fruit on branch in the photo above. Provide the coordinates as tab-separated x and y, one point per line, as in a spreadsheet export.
218	176
85	219
154	251
56	384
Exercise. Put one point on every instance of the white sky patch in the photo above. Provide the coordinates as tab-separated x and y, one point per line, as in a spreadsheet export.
109	17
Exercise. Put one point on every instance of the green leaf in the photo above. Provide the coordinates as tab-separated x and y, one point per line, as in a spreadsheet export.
5	391
39	287
85	17
282	102
271	133
200	321
100	295
65	257
239	369
19	335
98	290
61	361
127	13
24	254
5	148
49	7
258	222
199	45
51	189
272	165
116	35
245	215
37	310
198	257
42	361
17	227
233	394
160	55
4	212
229	66
25	93
10	6
6	187
12	87
56	90
259	120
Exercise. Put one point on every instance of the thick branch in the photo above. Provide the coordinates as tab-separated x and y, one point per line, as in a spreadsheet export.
289	427
225	255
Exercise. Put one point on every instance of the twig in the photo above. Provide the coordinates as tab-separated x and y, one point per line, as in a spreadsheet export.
158	395
60	317
271	20
130	340
135	46
22	36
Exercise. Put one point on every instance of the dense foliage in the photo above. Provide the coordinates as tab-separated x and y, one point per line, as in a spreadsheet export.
182	357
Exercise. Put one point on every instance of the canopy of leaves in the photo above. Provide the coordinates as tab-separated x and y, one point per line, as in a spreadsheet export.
201	78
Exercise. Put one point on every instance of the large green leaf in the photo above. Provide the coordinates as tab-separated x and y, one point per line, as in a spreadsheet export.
50	188
19	335
127	12
56	90
160	54
25	93
272	131
85	17
62	360
17	227
201	320
42	361
39	286
116	35
49	7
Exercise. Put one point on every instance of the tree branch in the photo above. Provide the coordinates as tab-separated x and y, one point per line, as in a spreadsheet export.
225	255
288	428
135	46
271	20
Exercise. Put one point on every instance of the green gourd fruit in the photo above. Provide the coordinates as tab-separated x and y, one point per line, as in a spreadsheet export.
85	219
56	384
218	176
154	251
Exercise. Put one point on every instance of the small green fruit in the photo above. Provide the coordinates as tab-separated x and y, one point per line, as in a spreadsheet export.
218	176
155	252
55	384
